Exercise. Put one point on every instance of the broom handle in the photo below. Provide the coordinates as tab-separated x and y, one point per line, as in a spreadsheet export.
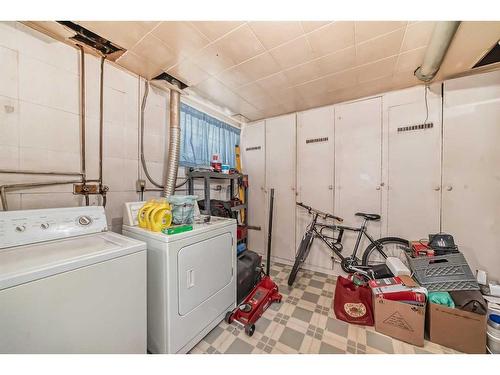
270	232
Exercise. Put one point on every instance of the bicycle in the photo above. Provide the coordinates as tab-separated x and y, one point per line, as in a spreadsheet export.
375	253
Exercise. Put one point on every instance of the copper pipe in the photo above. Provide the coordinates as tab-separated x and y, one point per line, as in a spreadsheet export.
53	173
3	188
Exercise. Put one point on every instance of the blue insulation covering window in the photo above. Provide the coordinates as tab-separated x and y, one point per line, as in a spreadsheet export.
203	135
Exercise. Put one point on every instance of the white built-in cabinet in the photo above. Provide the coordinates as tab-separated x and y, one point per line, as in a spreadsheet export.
365	156
413	164
315	175
471	168
358	169
281	174
253	159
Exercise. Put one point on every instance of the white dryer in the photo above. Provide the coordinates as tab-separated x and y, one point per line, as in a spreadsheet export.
69	286
191	279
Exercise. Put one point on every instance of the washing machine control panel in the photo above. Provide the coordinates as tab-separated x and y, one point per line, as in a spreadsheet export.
29	226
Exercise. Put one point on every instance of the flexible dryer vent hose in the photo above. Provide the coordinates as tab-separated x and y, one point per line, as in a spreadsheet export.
143	158
174	146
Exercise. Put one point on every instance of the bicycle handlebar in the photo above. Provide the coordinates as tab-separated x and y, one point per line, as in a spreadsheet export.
320	213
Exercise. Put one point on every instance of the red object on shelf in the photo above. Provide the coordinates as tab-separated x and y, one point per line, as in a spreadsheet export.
241	232
421	248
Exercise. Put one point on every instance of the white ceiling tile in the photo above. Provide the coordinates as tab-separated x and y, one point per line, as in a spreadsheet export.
215	29
342	80
417	35
274	33
239	45
139	65
292	53
379	48
375	70
337	61
153	49
303	73
275	82
411	60
188	72
181	37
366	30
124	33
309	26
260	66
331	38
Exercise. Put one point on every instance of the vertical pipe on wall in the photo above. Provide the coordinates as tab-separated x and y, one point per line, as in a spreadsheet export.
83	119
174	142
102	189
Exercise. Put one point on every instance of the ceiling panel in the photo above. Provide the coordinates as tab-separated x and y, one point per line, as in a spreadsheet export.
181	37
215	29
293	53
124	33
379	48
333	37
261	69
366	30
272	34
153	49
189	72
417	35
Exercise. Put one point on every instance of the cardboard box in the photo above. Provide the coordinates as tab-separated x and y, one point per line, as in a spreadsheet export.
460	330
403	321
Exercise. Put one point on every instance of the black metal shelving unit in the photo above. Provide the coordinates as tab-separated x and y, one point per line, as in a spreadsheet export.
232	178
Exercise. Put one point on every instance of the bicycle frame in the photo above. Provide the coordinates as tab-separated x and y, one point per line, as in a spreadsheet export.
331	242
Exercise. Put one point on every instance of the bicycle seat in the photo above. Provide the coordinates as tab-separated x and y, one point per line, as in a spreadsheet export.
368	216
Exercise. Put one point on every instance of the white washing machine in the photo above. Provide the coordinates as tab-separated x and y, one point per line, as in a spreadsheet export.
191	280
69	286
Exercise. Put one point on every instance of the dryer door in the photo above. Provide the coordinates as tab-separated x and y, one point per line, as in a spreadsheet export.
204	268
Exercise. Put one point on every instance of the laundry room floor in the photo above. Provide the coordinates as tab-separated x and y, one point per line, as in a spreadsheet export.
305	323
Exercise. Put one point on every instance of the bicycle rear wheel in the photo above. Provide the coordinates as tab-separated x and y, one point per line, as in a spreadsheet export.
305	244
377	252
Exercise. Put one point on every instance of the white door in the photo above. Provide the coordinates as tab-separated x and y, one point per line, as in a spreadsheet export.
315	176
471	169
358	153
253	159
280	175
414	170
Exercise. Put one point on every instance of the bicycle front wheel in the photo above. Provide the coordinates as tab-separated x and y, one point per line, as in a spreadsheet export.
376	253
305	244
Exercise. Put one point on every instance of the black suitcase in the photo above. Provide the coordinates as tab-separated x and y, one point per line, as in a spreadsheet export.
249	272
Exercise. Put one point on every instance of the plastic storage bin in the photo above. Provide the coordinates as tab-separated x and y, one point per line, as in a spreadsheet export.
443	273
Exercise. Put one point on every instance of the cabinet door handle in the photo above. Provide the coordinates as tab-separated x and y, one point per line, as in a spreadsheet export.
449	188
437	188
378	188
330	187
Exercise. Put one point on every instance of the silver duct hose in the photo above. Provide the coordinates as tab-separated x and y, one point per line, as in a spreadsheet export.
174	143
436	50
143	158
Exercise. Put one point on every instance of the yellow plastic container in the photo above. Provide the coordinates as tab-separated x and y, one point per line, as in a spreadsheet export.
160	217
142	215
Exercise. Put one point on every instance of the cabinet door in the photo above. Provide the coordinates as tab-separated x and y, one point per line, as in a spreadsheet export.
253	159
315	176
471	169
280	175
414	170
358	153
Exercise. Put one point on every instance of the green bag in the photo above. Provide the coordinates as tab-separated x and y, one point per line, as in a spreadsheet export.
441	298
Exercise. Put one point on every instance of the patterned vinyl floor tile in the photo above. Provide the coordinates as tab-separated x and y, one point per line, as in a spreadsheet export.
304	323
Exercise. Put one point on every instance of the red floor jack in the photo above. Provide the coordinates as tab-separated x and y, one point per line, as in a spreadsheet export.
262	295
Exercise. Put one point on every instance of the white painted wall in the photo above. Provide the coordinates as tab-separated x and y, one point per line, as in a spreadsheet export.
40	123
